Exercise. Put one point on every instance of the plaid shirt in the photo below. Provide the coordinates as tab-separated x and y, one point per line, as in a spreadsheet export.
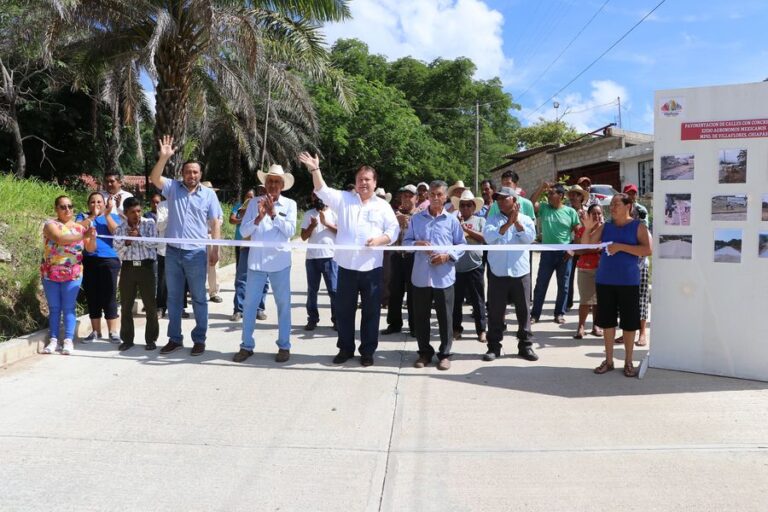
137	251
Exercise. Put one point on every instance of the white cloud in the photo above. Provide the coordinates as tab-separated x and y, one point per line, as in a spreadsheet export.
589	113
428	29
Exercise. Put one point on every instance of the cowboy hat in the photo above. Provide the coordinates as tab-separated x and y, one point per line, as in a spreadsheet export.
583	193
467	195
458	185
384	195
276	170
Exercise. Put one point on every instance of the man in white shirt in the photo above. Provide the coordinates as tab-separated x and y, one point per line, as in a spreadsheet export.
269	218
319	227
113	187
364	220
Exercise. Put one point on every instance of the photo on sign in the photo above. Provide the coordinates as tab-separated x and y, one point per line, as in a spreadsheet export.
728	245
676	247
677	209
765	207
729	207
733	166
677	167
762	244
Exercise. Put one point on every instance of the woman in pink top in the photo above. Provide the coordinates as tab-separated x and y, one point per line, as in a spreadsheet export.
62	271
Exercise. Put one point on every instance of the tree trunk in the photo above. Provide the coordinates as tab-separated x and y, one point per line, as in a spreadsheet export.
115	142
18	144
237	173
174	74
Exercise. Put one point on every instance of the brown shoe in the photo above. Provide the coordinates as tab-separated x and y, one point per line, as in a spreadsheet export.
421	362
197	349
457	334
283	355
481	337
242	355
444	364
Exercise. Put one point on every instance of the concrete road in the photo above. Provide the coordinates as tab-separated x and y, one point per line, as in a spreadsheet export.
137	431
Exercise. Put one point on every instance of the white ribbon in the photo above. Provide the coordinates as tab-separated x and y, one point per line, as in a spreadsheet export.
406	248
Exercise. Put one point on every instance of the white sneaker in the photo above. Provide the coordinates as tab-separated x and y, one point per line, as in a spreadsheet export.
52	346
91	337
68	348
114	338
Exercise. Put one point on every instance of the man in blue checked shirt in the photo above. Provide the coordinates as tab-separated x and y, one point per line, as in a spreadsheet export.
434	273
509	279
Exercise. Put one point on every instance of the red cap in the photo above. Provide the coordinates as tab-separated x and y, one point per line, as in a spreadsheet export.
630	188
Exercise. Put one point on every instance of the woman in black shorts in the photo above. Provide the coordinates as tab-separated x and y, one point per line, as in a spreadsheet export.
618	277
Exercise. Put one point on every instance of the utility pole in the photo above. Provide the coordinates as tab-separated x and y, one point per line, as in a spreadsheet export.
477	146
618	99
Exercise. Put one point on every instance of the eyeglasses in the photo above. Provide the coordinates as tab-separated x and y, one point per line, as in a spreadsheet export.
66	207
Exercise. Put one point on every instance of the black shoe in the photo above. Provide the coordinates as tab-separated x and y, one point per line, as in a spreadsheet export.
282	355
310	326
184	314
366	360
171	346
334	327
125	346
528	354
198	349
242	355
151	345
491	356
391	330
216	298
342	357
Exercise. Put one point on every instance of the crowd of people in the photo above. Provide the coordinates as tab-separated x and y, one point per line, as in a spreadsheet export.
103	252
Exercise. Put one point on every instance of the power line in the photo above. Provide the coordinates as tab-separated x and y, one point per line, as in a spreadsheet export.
599	10
597	59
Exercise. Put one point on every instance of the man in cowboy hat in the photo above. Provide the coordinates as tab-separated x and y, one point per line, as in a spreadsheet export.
509	279
269	218
401	266
364	220
586	183
434	274
190	209
469	269
454	190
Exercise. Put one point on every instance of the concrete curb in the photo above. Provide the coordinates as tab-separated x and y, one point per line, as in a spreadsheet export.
17	349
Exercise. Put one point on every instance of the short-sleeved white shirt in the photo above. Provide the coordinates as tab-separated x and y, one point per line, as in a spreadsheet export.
358	222
321	234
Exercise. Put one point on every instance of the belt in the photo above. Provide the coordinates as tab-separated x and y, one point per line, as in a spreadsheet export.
138	263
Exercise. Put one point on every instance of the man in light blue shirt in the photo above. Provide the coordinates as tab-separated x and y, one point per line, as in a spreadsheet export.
434	273
191	208
269	218
509	279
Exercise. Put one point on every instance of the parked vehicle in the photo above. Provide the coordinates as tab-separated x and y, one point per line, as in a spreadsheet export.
603	193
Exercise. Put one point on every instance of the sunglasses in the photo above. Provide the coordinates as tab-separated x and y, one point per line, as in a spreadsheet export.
66	207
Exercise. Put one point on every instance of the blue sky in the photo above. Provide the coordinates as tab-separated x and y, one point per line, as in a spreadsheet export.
684	43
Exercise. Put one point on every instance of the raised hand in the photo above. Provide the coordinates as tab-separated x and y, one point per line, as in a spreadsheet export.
166	147
110	206
311	162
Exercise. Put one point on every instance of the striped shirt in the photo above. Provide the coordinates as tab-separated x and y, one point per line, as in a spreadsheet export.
137	251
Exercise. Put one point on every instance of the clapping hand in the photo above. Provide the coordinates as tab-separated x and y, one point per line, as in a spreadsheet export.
313	221
321	218
110	206
269	205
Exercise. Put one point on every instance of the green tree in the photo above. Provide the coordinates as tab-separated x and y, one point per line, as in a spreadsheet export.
545	132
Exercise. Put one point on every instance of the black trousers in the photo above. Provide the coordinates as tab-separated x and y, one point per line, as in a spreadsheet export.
569	303
138	279
423	299
470	285
401	268
503	291
351	285
161	295
100	285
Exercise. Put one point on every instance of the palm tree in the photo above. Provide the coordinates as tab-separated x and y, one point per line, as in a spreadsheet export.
184	43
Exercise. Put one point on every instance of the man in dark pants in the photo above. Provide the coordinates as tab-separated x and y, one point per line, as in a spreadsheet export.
401	266
137	273
434	274
364	220
510	276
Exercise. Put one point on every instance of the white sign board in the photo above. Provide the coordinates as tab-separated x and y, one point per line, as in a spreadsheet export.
710	204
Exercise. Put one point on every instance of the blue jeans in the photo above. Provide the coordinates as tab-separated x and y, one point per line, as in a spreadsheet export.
62	298
368	286
254	292
549	262
241	276
192	267
329	270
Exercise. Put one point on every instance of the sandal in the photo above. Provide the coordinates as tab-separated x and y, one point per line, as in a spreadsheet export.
604	367
629	370
578	336
597	332
620	339
641	342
